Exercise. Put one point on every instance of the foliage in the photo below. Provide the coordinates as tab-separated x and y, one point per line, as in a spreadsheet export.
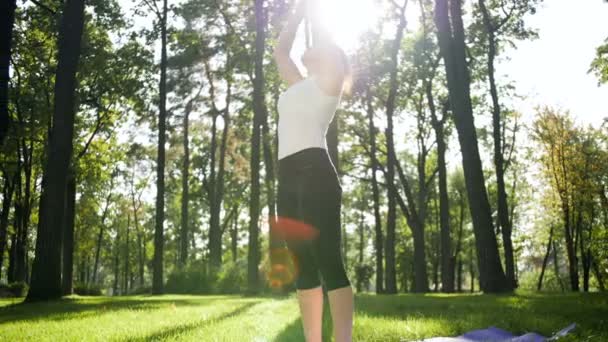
232	277
599	66
87	290
193	279
16	289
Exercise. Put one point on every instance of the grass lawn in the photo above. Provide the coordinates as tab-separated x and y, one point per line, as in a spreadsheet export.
257	319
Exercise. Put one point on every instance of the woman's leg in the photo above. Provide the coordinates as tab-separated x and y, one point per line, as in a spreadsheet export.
311	309
328	248
342	306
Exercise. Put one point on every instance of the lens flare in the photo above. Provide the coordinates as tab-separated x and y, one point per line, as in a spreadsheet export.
292	229
283	268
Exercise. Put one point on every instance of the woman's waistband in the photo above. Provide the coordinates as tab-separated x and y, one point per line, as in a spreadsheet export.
313	157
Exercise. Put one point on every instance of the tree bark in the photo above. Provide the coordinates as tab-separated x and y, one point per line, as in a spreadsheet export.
100	234
68	235
159	230
46	269
503	205
556	266
259	109
183	238
7	15
7	198
447	260
546	258
452	47
391	280
126	277
378	236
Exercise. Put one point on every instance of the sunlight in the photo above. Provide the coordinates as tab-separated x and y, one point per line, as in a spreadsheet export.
348	19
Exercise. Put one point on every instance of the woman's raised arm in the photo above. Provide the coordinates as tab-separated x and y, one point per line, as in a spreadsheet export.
288	70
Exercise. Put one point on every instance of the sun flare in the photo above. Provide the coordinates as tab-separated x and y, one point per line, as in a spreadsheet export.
348	19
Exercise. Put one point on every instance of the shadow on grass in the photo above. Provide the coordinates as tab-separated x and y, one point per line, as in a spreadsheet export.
68	308
181	329
519	313
292	333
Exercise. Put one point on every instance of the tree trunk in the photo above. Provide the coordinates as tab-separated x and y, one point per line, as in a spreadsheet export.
570	248
127	271
68	235
391	280
556	266
234	235
215	243
542	271
116	262
598	274
183	238
447	260
100	235
7	197
159	230
259	109
7	11
378	238
503	206
46	269
452	47
459	275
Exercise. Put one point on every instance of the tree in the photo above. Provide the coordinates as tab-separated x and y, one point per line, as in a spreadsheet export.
8	18
259	113
450	32
46	269
391	280
496	27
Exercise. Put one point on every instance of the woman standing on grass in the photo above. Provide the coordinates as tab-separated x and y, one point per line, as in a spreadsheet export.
309	190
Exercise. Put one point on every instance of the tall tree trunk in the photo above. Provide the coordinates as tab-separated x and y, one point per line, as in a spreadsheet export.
447	260
391	280
46	269
259	109
127	271
472	269
215	243
503	206
102	223
598	274
556	266
183	238
457	252
141	256
546	258
7	10
218	181
452	47
234	235
7	197
570	247
378	236
12	256
459	275
159	230
68	235
116	262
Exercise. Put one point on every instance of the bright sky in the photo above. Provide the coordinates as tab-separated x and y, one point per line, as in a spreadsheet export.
552	70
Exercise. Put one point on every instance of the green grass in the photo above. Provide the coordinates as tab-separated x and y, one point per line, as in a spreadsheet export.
257	319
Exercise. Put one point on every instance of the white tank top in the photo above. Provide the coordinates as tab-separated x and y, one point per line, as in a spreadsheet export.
305	113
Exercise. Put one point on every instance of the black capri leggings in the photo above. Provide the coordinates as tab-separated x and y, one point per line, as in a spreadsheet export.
309	192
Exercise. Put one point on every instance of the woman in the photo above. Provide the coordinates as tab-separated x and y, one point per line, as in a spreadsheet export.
309	190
